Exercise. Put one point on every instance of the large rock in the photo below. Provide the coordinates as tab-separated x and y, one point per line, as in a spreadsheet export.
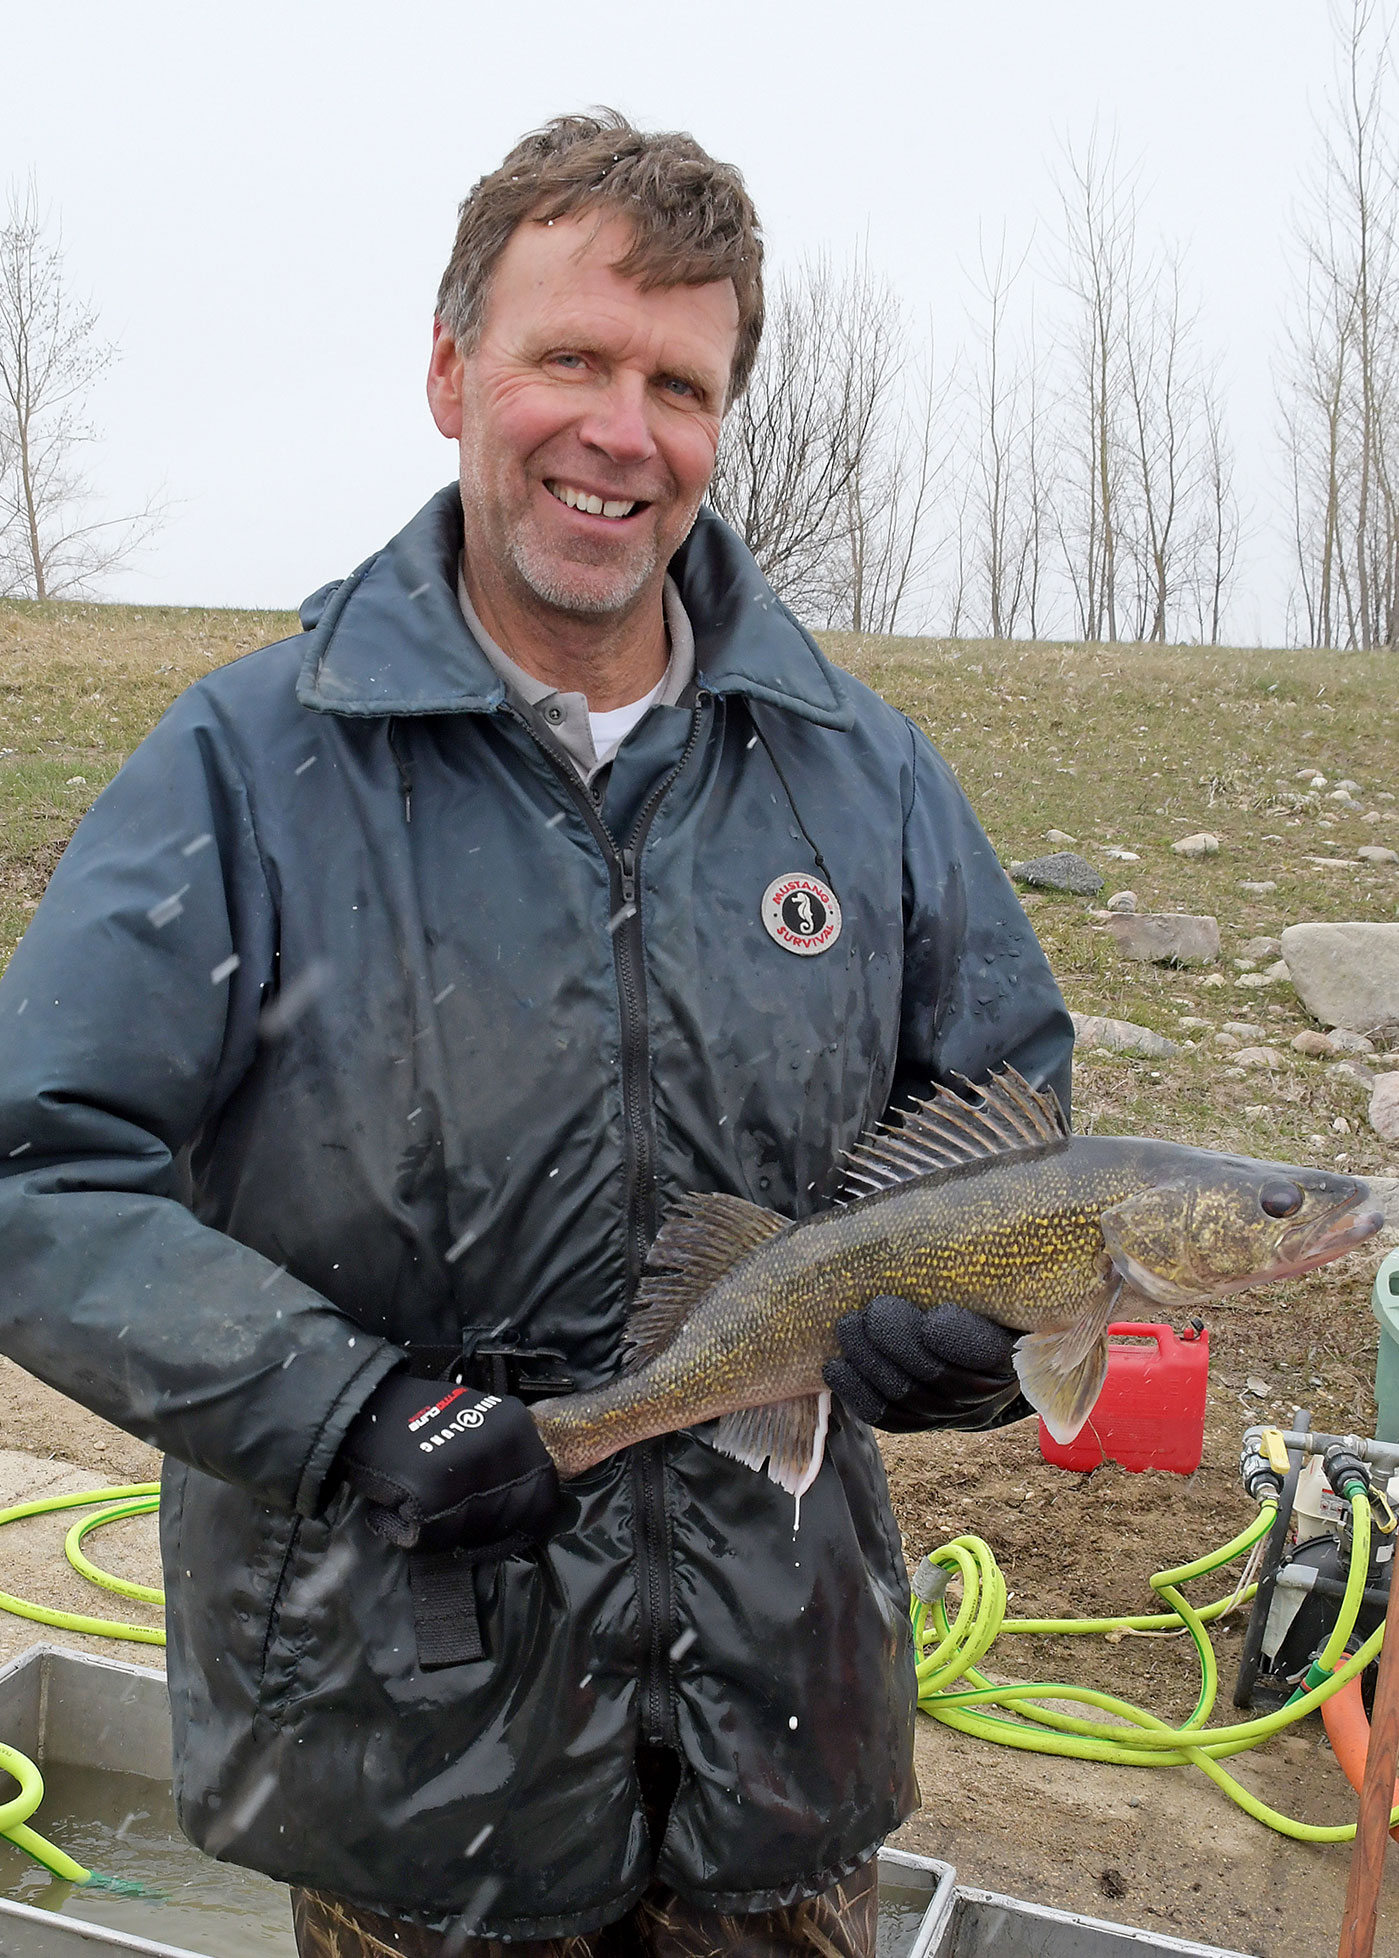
1166	937
1346	975
1064	871
1204	843
1384	1107
1120	1036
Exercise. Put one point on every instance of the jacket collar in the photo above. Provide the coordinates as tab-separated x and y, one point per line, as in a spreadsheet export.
391	639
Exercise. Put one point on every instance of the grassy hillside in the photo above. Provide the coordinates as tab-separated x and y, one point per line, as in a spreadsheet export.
1126	746
80	685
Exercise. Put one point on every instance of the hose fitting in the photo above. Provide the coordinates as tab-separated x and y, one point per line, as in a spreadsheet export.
929	1582
1345	1471
1257	1471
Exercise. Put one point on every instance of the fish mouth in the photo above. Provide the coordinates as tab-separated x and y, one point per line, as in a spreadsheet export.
1319	1243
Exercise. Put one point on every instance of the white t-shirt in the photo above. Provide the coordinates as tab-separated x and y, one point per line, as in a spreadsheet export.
610	729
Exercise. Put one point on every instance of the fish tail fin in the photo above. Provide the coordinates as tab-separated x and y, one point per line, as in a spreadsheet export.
701	1241
1062	1371
789	1436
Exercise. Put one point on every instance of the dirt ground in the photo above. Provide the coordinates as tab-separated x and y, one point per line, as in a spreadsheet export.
1155	1847
1159	1847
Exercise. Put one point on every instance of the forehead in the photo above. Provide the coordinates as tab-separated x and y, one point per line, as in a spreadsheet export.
561	279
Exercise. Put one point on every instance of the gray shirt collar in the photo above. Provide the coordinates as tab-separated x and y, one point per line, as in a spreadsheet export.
566	714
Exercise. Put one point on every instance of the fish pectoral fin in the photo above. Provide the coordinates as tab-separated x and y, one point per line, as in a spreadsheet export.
1062	1372
700	1242
789	1436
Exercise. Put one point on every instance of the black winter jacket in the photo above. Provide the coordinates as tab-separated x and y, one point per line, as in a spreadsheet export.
350	1025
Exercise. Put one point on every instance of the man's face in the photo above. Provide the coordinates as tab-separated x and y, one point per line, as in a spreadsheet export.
588	417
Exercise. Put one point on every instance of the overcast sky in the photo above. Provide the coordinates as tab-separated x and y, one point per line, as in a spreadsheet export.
260	200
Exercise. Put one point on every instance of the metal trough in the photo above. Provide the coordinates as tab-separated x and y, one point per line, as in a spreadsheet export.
981	1924
67	1709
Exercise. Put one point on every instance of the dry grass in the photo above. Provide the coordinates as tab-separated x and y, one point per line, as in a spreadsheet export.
80	685
1136	747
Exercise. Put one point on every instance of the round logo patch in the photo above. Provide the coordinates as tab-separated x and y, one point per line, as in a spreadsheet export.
801	913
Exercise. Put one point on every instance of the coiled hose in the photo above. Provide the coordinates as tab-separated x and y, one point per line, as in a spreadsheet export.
138	1499
949	1654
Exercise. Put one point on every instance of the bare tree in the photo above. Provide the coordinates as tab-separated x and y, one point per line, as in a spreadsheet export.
882	555
826	464
50	357
1100	238
1148	524
1008	491
1340	387
1222	525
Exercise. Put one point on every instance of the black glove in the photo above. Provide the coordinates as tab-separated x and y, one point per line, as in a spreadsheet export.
448	1468
906	1369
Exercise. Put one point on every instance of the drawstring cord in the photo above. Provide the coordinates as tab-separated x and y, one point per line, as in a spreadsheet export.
791	800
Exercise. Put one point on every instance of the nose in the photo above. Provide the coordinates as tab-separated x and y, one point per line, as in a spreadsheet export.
617	423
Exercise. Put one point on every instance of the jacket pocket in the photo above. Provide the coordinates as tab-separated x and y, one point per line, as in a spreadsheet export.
313	1577
276	1665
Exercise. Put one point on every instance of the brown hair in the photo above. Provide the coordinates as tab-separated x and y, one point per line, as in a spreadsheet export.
694	220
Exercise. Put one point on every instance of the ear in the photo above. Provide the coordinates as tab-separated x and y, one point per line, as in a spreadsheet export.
444	382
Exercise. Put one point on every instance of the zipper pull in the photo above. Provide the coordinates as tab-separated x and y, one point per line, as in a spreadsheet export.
628	877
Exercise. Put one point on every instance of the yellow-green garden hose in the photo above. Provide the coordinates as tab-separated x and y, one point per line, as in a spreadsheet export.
139	1499
949	1653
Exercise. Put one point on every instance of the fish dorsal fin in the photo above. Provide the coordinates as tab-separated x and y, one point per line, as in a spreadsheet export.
701	1241
1009	1117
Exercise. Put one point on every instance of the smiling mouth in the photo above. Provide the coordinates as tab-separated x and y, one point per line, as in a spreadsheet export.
591	505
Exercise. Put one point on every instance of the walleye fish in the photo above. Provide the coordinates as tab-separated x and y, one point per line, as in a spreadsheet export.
991	1204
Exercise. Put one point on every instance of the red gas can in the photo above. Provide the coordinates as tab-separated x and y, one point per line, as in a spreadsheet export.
1151	1412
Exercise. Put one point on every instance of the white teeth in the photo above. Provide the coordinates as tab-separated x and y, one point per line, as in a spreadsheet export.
593	505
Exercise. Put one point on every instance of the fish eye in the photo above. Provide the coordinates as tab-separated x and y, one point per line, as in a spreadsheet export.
1280	1199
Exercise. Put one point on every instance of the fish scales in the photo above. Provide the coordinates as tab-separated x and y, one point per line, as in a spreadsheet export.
737	1315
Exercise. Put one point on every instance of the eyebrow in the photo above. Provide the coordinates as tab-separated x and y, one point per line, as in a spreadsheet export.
704	385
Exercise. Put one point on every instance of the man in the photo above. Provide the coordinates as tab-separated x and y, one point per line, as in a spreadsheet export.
376	1013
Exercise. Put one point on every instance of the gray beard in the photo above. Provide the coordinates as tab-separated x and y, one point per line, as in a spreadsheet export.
552	586
551	583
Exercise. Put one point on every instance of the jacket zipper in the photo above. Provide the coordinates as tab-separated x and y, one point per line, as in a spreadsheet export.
652	1546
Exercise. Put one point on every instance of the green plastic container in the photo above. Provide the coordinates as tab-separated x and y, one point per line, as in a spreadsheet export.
1384	1302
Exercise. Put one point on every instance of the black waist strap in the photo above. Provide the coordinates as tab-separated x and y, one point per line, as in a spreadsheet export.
495	1366
442	1584
443	1587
